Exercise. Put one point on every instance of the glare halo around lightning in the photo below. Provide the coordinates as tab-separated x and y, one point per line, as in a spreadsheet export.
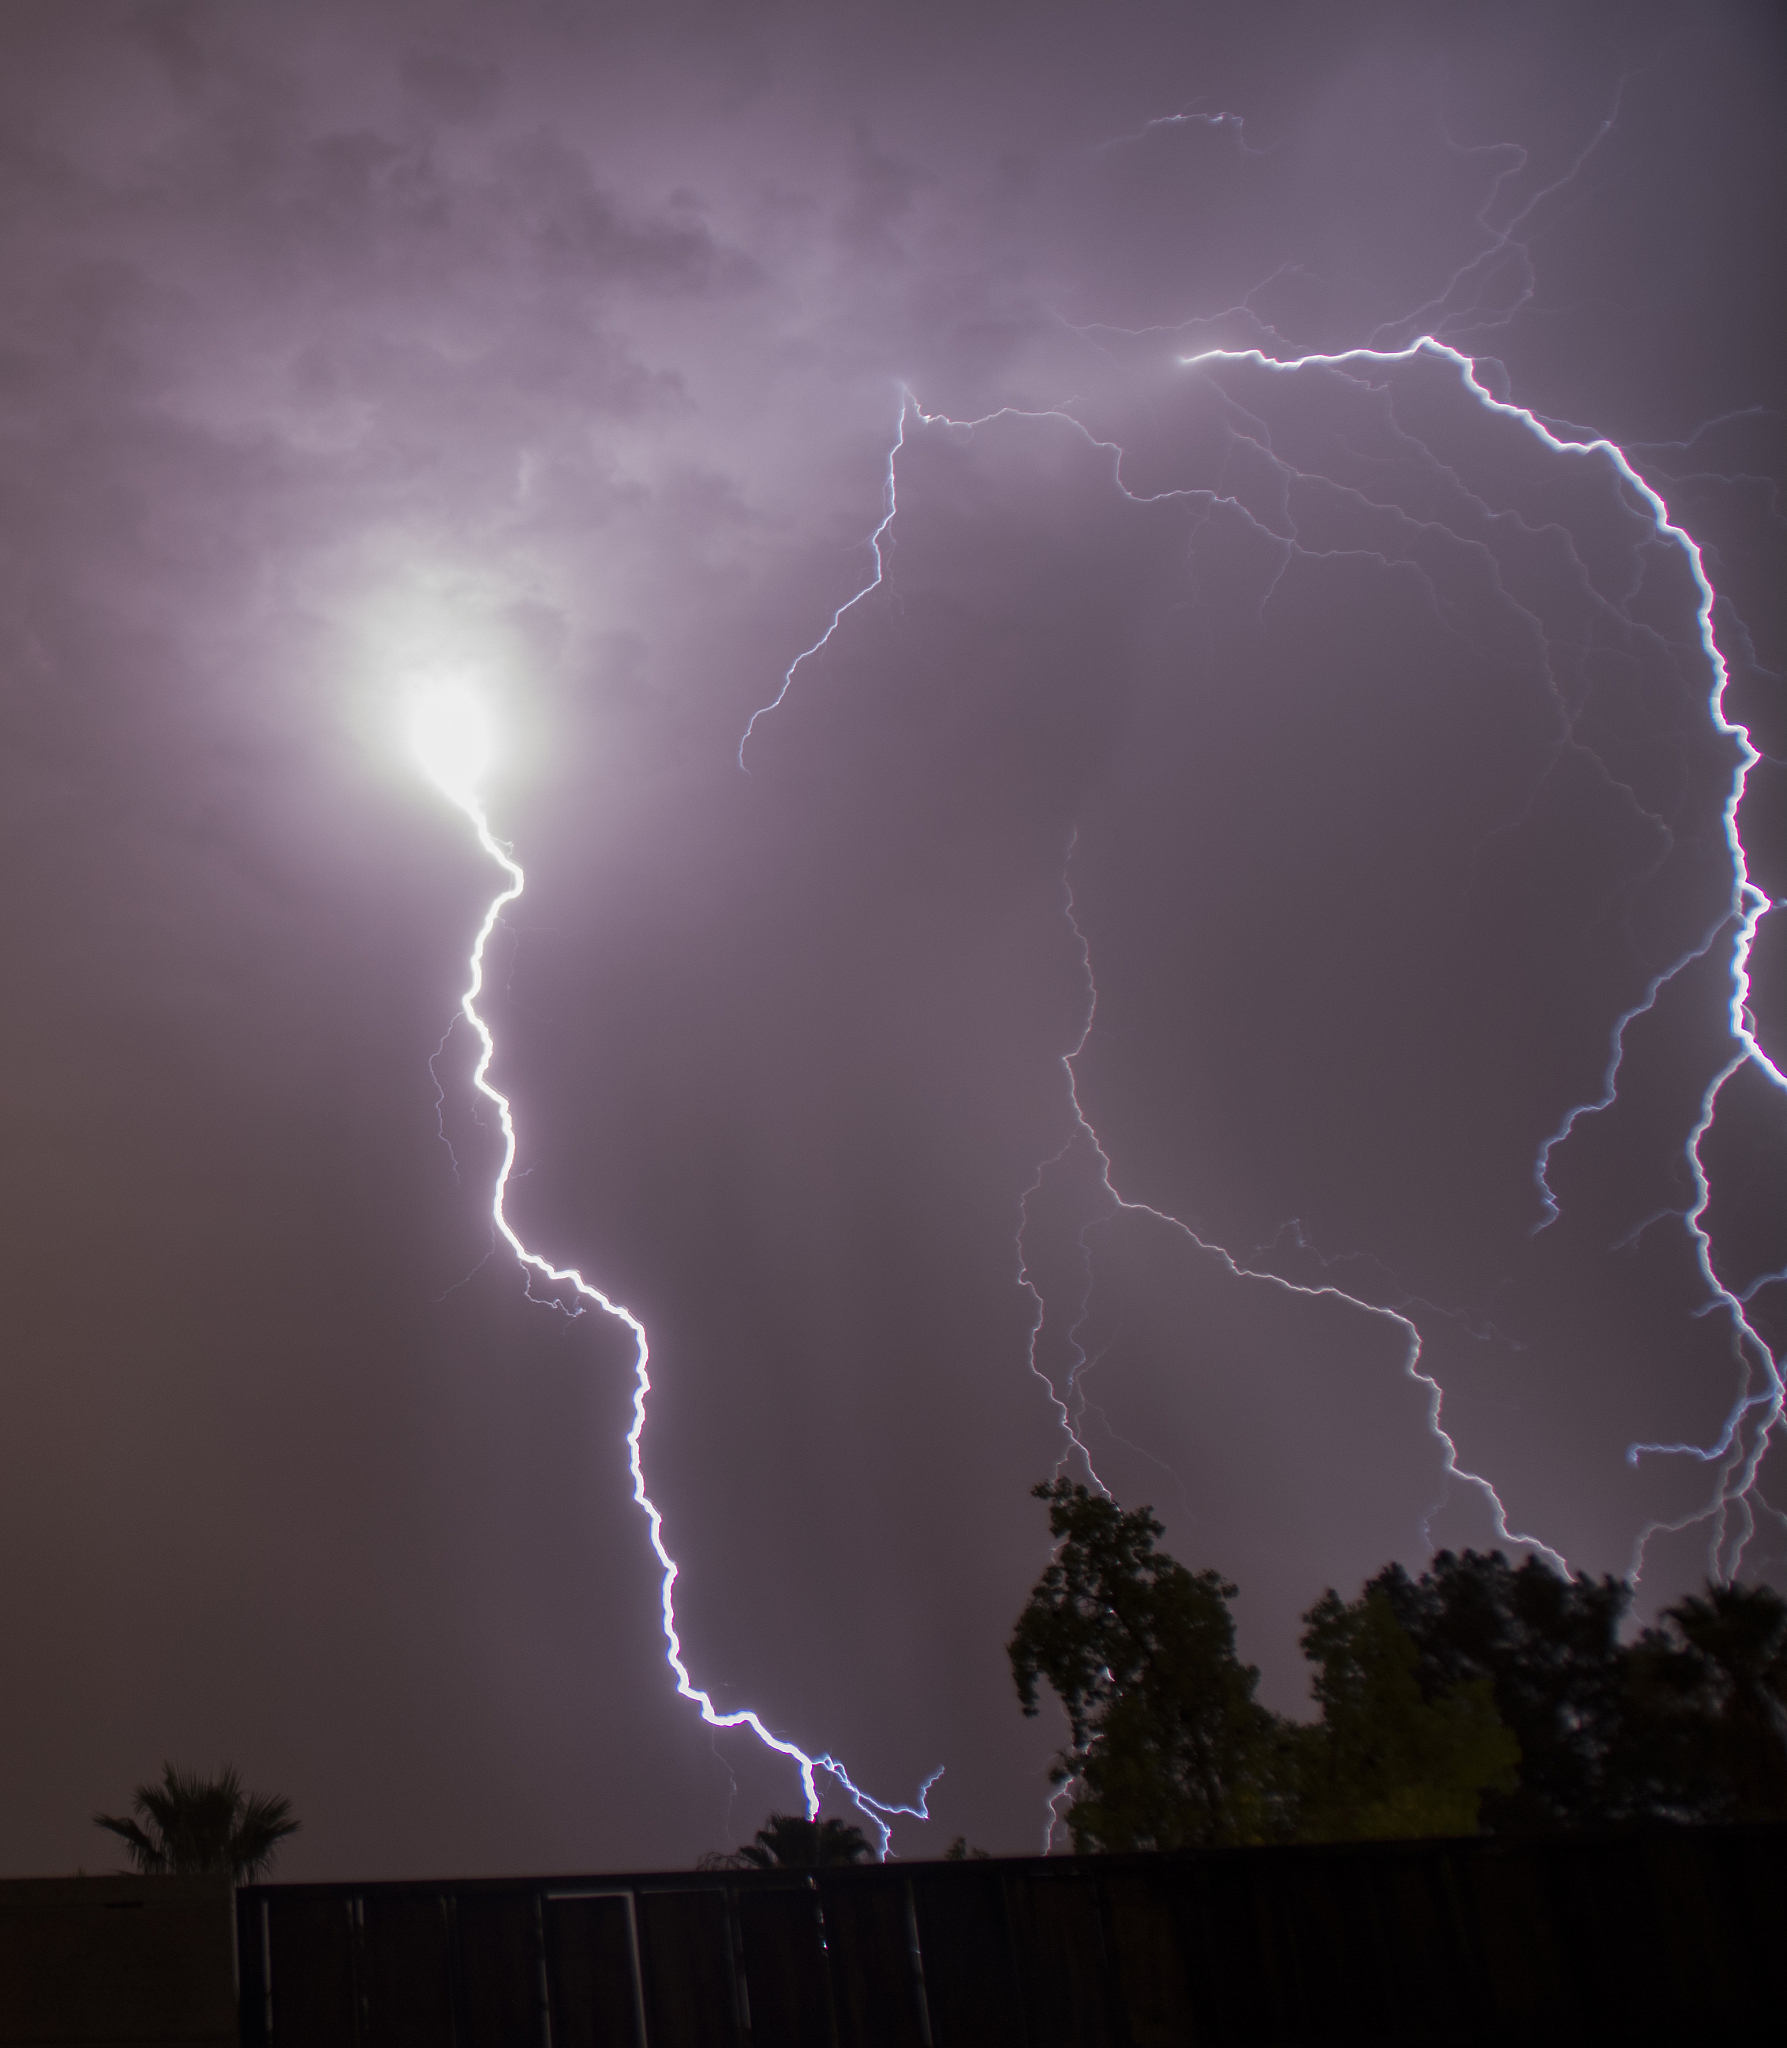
450	733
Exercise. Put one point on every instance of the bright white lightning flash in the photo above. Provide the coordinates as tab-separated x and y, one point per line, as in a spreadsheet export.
450	731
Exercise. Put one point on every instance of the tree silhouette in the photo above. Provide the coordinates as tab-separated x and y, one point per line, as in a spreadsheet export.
789	1841
1481	1695
1383	1761
1714	1678
198	1825
1687	1724
1550	1648
1167	1747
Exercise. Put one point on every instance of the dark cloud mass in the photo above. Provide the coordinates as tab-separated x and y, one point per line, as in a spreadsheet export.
1353	740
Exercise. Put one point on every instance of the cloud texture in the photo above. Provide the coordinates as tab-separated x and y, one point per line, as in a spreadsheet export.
1354	743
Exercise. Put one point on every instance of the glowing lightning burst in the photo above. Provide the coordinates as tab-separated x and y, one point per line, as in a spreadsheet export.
451	735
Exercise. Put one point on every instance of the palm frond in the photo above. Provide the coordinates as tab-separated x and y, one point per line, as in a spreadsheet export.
266	1821
145	1853
199	1825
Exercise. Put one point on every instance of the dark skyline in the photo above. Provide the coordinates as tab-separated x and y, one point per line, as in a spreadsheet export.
1353	741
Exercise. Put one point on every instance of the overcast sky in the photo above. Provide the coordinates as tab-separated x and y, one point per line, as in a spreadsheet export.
1352	741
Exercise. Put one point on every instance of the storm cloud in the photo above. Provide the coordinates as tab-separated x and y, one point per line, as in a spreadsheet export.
1348	739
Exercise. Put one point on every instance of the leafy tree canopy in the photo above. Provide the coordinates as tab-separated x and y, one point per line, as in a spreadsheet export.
1687	1724
1167	1747
1384	1761
190	1825
1481	1694
1549	1648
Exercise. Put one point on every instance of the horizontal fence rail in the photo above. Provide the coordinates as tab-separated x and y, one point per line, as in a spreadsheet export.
1661	1936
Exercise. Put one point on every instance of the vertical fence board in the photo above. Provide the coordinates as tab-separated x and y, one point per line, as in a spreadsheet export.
1429	1952
785	1968
1600	1896
685	1946
970	1982
311	1943
1235	1971
1149	1960
1063	1971
589	1967
499	1970
875	1989
251	1975
1346	1976
406	1971
1517	1943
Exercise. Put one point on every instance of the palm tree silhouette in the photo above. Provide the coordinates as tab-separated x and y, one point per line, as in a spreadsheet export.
789	1841
198	1825
1738	1634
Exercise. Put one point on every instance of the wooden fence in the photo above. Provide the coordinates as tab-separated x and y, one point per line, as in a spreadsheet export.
116	1962
1666	1936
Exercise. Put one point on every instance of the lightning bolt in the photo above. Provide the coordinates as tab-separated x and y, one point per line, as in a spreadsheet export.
452	747
1738	1450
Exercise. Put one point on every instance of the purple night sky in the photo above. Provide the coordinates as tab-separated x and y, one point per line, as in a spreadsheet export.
1356	742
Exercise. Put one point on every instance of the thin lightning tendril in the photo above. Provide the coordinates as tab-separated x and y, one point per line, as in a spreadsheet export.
1121	1204
878	1812
890	504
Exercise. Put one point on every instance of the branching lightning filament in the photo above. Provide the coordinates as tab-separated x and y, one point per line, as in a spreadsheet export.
1737	1451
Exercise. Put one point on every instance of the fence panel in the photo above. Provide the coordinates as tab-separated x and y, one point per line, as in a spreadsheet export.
785	1967
590	1969
1240	1972
685	1947
970	1982
406	1976
1429	1951
310	1957
1650	1937
1148	1957
1063	1970
1614	1975
501	1965
876	1983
